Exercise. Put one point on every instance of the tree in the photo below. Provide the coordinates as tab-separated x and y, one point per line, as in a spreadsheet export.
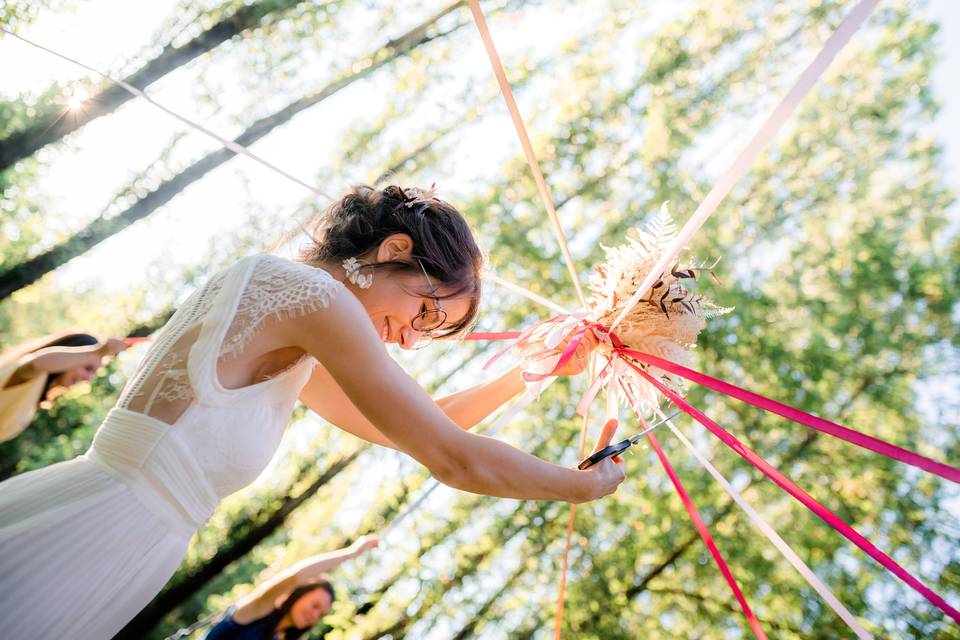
50	126
843	274
18	276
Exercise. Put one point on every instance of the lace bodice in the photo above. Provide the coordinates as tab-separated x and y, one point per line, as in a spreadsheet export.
232	432
106	530
258	287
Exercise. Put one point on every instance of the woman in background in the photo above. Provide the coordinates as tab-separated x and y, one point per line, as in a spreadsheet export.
292	602
33	374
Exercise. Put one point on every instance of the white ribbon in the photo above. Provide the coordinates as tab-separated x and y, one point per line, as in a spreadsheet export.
760	140
774	537
232	145
526	293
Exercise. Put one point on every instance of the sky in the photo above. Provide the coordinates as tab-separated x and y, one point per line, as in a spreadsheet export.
113	150
946	85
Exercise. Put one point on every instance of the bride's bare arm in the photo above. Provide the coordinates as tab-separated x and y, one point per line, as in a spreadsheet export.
342	338
466	408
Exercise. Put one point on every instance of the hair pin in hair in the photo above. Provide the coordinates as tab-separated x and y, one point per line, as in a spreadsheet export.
414	196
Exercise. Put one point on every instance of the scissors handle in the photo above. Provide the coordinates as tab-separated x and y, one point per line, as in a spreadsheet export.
606	452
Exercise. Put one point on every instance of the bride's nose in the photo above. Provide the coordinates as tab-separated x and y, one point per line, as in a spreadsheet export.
408	337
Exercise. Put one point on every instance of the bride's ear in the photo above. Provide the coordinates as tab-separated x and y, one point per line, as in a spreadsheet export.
398	246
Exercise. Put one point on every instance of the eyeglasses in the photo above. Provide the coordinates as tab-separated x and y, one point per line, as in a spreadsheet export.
428	320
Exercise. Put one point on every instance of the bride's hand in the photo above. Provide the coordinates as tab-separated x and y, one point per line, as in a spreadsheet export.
581	357
609	473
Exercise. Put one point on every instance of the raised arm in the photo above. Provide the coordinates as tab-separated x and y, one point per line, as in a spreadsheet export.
262	600
54	359
466	408
342	338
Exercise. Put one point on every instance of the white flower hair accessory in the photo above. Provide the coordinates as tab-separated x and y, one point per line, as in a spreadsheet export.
413	196
352	268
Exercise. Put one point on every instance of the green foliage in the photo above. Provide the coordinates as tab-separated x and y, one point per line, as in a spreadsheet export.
836	252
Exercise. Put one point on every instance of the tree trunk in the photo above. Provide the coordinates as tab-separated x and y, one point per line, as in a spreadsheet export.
51	126
468	629
29	271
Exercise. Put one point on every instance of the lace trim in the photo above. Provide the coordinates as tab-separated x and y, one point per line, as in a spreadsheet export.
276	288
166	360
280	289
174	380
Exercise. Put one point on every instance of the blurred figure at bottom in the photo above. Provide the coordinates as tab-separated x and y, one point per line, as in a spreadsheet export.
289	604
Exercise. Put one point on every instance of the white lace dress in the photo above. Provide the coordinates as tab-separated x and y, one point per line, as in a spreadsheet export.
86	544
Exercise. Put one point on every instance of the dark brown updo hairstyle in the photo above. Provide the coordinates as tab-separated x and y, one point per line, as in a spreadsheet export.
358	222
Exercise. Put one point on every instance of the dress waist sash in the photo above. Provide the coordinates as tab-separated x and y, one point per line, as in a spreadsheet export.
144	454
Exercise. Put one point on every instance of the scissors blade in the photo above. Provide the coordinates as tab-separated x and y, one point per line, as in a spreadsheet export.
635	439
623	445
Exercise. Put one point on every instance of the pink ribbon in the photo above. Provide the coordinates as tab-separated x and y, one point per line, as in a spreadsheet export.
767	404
492	335
825	426
707	539
806	499
862	440
594	388
565	356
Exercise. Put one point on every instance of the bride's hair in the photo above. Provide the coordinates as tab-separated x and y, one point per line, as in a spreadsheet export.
358	222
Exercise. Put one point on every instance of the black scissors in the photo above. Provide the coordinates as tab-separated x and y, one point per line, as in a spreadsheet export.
623	445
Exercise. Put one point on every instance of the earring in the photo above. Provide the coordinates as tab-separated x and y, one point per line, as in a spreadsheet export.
352	267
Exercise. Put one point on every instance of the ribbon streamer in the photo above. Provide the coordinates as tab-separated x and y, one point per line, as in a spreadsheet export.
824	426
802	496
526	293
232	145
568	541
542	188
707	539
850	24
774	537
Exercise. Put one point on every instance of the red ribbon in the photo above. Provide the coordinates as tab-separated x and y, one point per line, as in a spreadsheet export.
806	499
825	426
862	440
707	539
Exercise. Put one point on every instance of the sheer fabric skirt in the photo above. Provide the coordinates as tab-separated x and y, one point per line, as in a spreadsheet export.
80	555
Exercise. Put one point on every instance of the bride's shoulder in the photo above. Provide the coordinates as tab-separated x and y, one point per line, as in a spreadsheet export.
290	284
270	265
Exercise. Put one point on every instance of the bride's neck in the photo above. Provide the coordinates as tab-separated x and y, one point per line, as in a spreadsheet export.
334	270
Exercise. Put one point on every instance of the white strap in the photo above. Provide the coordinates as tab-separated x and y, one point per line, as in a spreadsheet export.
232	145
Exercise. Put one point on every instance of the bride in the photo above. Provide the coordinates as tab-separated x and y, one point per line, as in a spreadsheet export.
95	538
